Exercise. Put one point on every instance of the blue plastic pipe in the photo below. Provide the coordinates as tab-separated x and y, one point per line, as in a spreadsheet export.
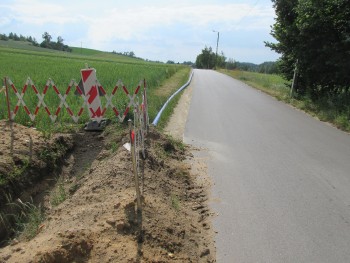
156	119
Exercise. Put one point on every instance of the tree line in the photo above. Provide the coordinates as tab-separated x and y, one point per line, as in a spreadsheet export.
208	60
46	43
15	37
313	38
130	54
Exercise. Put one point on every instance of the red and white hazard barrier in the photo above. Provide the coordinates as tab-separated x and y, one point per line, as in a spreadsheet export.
89	92
132	98
41	101
93	101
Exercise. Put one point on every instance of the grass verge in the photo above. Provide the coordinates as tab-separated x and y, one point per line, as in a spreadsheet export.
171	86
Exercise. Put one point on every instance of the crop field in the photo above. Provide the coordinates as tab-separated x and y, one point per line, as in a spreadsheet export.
61	67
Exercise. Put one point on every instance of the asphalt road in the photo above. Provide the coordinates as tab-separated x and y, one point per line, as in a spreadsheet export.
281	178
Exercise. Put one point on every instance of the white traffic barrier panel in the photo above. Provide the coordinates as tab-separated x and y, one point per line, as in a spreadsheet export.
90	92
93	101
109	98
41	101
20	100
63	101
131	100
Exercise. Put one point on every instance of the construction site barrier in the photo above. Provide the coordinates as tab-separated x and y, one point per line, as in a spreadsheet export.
89	89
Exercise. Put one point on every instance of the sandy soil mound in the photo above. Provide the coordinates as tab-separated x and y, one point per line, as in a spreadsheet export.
98	221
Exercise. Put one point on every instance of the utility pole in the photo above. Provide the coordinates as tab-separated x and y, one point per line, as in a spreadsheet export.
217	45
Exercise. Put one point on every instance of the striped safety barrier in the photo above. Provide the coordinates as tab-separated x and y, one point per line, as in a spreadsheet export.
41	101
125	90
89	89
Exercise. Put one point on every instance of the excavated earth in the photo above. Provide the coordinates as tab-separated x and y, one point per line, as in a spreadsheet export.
97	220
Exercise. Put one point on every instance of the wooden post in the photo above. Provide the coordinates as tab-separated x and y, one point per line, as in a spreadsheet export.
134	165
145	109
7	99
294	78
30	149
12	138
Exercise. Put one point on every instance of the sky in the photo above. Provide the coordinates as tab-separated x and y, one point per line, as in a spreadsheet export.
158	30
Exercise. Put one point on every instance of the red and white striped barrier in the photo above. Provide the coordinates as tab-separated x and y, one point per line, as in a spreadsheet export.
90	95
41	101
93	101
125	90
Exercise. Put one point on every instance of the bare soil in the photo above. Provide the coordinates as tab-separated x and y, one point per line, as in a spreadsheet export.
98	221
177	122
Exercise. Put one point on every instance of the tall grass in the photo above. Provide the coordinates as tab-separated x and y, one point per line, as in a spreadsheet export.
334	109
21	218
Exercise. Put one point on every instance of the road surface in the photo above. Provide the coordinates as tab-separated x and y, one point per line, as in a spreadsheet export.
281	178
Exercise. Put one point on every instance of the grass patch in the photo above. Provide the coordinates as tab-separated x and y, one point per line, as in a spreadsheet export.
17	172
59	195
175	202
335	110
178	144
21	218
272	84
30	220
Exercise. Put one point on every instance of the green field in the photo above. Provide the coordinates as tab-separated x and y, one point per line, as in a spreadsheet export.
41	64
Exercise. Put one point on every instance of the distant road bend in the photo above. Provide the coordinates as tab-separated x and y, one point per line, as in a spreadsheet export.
281	178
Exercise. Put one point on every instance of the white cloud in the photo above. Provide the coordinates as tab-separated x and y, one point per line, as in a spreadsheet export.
126	22
4	21
37	12
137	23
142	26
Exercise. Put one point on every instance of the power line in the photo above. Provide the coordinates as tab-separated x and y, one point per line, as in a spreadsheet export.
239	21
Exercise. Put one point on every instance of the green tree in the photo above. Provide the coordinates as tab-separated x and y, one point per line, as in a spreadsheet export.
59	44
221	60
16	37
47	40
206	59
231	64
22	38
4	37
317	35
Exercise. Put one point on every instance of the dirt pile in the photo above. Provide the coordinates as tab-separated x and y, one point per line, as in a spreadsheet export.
98	221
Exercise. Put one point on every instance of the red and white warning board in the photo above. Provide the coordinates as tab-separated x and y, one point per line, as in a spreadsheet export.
91	92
